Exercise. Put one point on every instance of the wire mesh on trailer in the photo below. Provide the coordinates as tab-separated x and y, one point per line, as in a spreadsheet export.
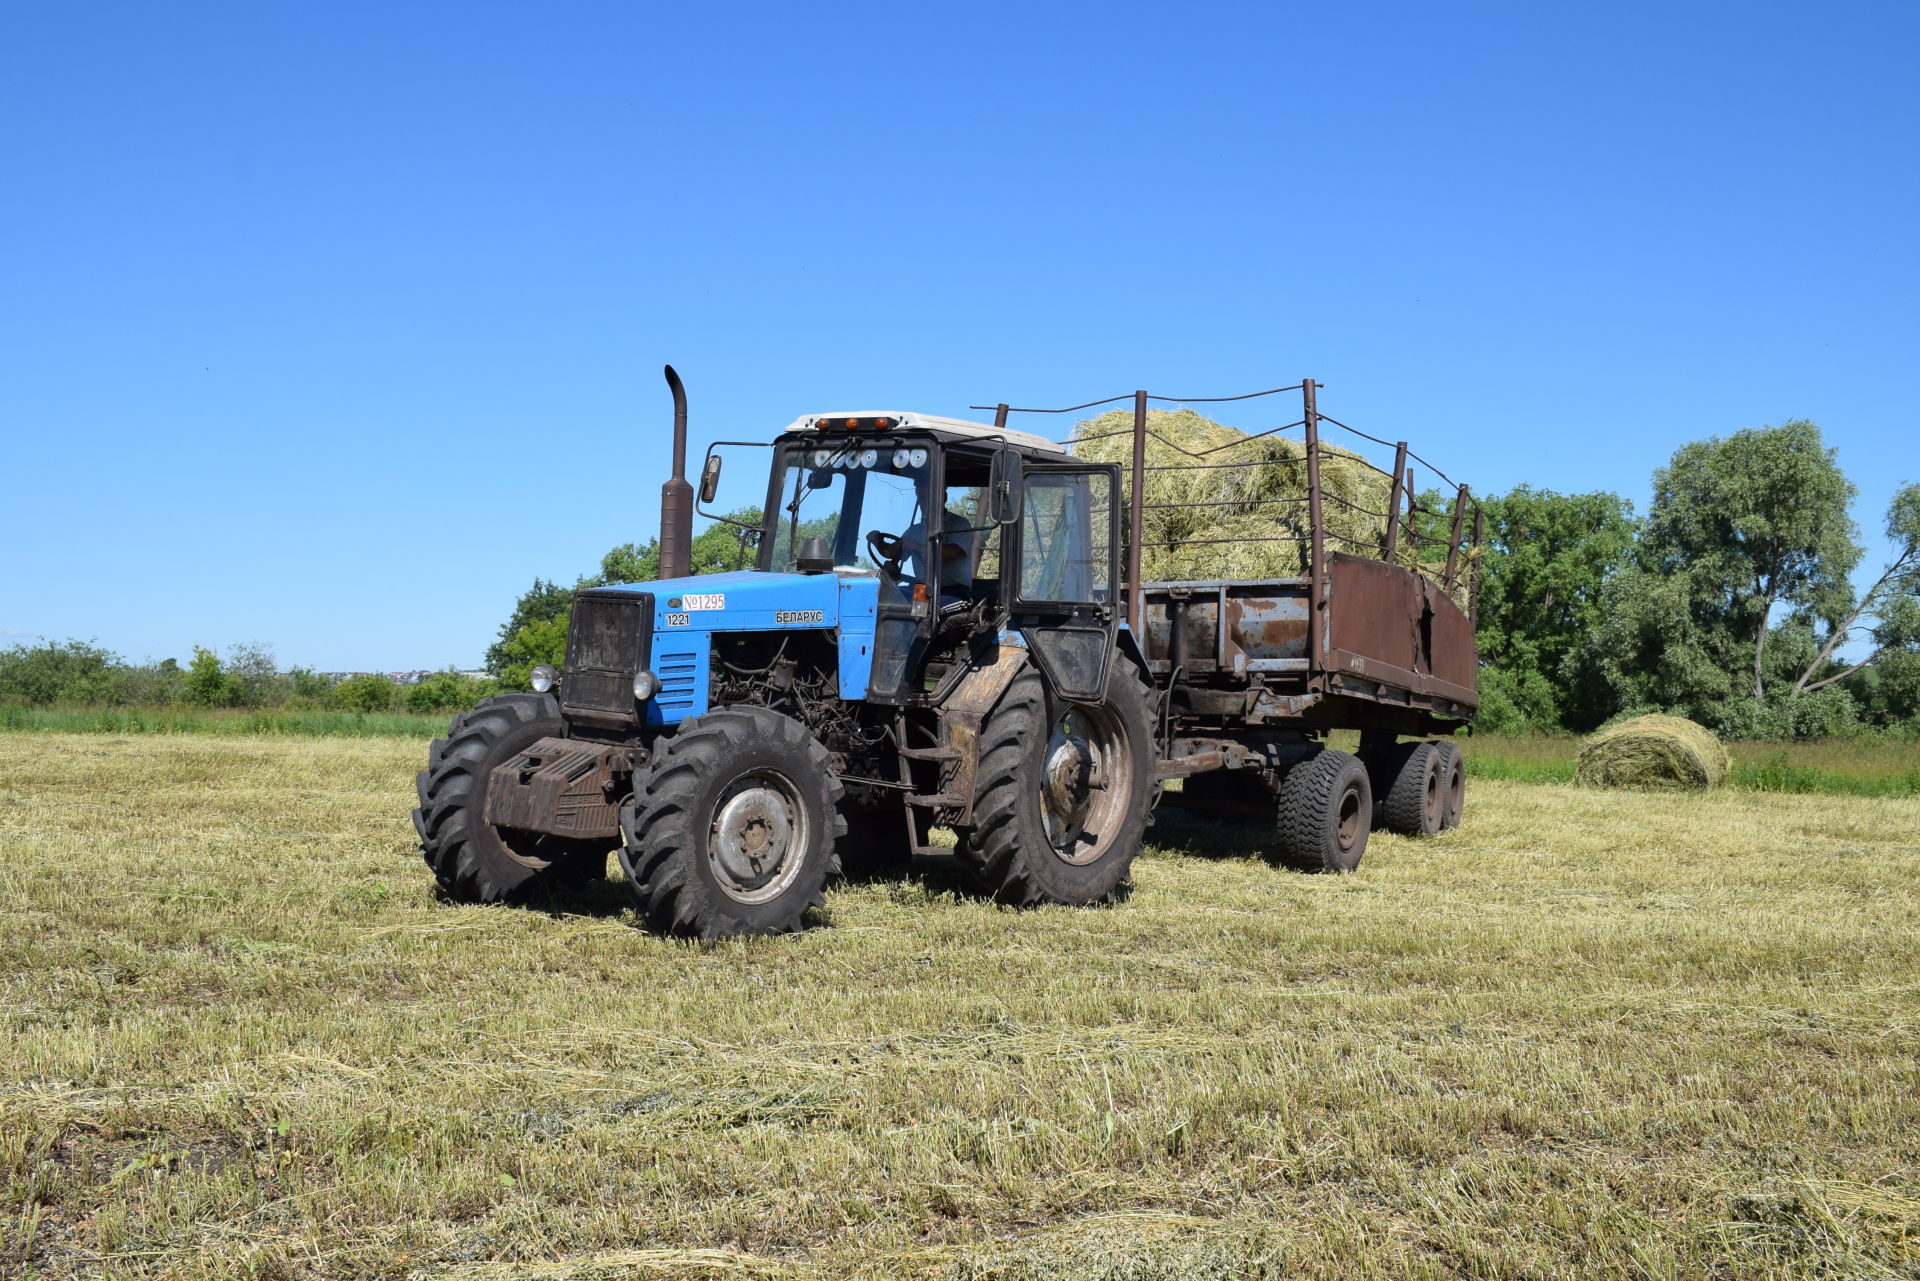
1383	514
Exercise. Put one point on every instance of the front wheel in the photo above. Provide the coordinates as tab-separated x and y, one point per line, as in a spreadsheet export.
734	829
473	860
1062	800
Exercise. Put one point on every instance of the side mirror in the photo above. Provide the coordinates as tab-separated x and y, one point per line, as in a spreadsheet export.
710	479
1003	488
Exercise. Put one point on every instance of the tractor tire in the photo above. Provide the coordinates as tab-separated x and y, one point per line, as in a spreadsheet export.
474	861
1059	809
875	846
1415	805
735	827
1453	785
1326	809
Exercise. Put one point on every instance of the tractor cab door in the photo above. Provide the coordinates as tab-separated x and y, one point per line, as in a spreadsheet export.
1062	568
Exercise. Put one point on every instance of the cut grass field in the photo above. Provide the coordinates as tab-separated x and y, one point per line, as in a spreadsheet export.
1589	1034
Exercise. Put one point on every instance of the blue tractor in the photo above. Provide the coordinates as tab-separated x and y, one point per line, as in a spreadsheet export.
938	630
930	634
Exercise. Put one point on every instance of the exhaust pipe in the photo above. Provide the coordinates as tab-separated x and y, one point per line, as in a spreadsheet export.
676	496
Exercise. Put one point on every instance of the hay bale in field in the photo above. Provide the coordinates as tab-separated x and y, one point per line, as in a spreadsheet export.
1653	752
1256	524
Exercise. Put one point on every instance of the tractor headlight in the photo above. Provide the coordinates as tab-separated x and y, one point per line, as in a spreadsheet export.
543	678
645	685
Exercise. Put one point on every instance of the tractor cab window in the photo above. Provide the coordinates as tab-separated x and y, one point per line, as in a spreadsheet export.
858	497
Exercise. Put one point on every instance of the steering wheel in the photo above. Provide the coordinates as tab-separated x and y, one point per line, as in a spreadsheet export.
887	547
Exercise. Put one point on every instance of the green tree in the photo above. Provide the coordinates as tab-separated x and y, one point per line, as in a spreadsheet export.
307	685
541	603
253	676
1547	559
206	683
541	641
1891	605
628	563
1749	522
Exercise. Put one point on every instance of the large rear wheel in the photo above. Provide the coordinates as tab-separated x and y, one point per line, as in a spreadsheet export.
1063	797
734	830
473	860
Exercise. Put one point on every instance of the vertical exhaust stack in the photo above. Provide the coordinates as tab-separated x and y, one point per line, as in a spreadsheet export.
676	496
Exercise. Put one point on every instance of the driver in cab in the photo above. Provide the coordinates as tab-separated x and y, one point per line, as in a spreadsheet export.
956	559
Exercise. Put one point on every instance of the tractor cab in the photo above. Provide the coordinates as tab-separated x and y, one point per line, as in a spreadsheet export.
967	532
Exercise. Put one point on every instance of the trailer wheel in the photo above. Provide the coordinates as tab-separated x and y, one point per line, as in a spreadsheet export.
1416	801
1326	811
734	829
473	860
1060	809
1453	785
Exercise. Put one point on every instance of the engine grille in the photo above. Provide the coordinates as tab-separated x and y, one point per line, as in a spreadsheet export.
607	642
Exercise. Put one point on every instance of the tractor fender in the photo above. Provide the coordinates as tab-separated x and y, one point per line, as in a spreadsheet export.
961	715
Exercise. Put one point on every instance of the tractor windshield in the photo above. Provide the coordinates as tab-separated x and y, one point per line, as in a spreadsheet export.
861	498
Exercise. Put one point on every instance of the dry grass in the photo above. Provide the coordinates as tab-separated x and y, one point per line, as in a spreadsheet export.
1589	1034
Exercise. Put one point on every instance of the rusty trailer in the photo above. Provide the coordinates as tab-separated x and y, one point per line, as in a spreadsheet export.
1376	637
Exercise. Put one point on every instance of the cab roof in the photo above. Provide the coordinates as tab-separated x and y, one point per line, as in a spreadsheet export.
907	420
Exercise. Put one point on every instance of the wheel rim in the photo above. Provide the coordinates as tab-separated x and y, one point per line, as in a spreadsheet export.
1350	825
759	837
1086	777
1456	791
1436	802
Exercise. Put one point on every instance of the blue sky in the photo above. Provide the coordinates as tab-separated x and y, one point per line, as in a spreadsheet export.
331	327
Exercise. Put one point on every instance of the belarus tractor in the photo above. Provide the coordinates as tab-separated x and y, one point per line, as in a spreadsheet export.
945	625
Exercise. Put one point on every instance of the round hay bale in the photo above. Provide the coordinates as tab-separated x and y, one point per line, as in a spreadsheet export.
1653	752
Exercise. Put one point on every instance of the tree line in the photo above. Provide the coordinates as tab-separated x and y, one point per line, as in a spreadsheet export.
1730	602
81	673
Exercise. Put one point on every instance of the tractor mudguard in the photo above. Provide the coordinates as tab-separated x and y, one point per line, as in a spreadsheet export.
961	716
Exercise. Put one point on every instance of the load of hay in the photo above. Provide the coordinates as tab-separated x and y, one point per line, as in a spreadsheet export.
1254	522
1653	752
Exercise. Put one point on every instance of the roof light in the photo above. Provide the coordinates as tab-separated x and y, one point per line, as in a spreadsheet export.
855	424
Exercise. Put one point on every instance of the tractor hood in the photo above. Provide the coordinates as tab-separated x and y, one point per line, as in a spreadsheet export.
750	600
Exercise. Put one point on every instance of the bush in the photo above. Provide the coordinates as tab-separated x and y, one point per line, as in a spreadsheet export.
207	683
447	691
1824	713
69	671
366	692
